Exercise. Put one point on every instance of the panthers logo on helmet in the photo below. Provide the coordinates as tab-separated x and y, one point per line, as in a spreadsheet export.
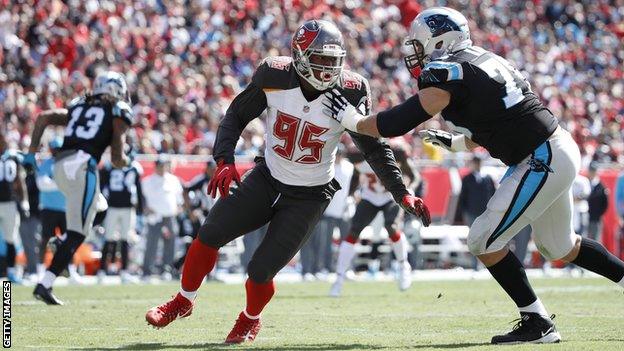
440	24
306	35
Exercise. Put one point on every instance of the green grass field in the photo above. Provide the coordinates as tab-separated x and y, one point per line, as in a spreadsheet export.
370	316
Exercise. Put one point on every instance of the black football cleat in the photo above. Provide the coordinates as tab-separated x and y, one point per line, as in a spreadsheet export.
531	328
46	295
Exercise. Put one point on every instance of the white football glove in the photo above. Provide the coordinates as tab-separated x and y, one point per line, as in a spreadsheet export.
446	140
338	108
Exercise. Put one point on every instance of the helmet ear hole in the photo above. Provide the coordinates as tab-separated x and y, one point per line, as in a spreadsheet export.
439	44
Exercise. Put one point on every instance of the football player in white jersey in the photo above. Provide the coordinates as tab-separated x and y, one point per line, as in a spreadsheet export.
293	184
490	103
375	198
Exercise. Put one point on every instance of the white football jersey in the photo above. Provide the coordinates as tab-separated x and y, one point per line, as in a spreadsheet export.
371	188
301	142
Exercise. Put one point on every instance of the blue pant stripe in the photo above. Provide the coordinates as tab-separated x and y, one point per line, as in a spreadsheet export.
530	185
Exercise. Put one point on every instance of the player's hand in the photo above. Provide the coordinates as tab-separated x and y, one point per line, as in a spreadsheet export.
443	139
29	162
223	176
338	108
417	207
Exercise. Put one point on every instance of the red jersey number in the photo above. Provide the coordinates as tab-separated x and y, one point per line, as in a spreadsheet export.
286	128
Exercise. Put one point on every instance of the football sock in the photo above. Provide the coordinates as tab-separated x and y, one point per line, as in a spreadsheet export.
258	295
345	256
65	251
48	279
10	255
124	254
190	295
535	307
107	251
399	246
594	257
200	260
40	270
511	276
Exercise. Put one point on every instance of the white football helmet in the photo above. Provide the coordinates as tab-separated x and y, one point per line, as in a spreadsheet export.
435	32
113	84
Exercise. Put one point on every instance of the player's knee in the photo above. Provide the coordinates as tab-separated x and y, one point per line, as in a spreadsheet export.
209	234
559	249
258	273
477	236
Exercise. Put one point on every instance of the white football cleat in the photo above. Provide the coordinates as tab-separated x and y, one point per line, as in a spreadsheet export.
336	288
405	276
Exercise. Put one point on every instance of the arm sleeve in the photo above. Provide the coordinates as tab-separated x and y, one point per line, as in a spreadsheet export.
381	159
247	106
401	118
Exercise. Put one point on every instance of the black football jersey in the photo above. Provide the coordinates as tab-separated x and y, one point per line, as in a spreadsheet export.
90	126
122	186
9	162
491	103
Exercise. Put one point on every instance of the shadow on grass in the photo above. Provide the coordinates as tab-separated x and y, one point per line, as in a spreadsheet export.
449	346
222	346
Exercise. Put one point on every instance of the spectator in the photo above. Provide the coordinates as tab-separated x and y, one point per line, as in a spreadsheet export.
598	201
163	201
580	192
477	189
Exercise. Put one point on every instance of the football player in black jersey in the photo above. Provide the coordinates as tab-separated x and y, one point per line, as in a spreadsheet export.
488	102
293	184
122	189
92	123
12	192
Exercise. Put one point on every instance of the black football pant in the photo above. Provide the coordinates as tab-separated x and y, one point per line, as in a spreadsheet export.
365	212
261	199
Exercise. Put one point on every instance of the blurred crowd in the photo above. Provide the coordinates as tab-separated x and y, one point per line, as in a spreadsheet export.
186	60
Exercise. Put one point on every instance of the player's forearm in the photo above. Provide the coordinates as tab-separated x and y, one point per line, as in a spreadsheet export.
118	159
56	117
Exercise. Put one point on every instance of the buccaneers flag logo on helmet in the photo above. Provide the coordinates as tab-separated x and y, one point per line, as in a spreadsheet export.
306	35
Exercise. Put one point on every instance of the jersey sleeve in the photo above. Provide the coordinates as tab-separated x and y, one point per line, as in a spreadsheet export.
245	107
122	110
356	90
444	75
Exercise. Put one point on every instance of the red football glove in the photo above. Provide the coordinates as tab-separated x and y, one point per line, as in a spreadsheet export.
417	207
223	176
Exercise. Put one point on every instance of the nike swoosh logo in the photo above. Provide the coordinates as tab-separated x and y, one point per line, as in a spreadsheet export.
221	172
547	332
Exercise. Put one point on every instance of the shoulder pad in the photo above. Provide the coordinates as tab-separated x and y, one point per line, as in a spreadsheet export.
275	72
440	72
123	110
76	101
356	90
138	167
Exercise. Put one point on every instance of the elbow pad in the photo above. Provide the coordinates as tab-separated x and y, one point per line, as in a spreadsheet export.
401	118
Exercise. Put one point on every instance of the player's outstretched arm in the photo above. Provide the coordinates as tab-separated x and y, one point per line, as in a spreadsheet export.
118	158
395	121
245	107
54	117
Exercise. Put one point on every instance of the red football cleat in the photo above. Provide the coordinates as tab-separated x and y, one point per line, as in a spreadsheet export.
161	316
245	329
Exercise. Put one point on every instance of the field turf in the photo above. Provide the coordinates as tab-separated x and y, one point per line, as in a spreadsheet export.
370	316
